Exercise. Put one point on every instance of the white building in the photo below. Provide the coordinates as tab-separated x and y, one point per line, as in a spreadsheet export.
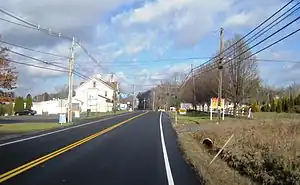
94	94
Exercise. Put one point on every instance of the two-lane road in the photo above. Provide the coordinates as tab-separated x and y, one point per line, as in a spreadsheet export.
135	149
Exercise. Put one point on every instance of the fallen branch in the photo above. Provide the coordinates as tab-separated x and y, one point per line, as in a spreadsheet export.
221	149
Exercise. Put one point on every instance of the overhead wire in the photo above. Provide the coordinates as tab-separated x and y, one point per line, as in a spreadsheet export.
246	35
96	61
30	25
45	62
32	65
255	53
34	50
260	33
249	33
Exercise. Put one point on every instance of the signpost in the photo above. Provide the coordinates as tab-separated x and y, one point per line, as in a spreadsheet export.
214	104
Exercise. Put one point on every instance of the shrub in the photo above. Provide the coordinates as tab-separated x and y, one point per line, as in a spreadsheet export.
279	106
19	104
273	106
6	109
296	108
266	108
255	107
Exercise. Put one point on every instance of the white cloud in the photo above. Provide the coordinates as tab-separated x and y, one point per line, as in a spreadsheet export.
251	13
189	20
110	32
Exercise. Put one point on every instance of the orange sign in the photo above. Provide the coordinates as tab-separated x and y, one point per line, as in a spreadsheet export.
215	102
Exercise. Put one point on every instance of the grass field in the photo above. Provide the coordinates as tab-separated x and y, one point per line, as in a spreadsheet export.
94	115
27	127
265	150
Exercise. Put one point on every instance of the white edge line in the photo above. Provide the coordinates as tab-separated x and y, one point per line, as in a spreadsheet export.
166	159
60	130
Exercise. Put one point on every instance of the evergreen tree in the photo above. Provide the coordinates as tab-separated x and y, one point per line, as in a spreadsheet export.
19	104
273	106
28	101
285	104
279	106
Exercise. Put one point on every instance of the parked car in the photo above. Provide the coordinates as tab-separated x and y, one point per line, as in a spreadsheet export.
26	112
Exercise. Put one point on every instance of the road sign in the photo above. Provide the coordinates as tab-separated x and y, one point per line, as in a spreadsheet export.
214	103
182	111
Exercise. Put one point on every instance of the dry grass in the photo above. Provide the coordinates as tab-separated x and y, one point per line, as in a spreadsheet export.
265	150
217	173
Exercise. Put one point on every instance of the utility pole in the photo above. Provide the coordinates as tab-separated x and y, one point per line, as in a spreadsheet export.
194	88
220	70
144	103
153	101
133	97
71	77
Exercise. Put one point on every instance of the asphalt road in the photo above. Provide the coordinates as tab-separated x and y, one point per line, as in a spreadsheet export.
130	149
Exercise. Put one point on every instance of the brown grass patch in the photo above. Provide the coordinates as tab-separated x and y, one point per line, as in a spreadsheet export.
265	150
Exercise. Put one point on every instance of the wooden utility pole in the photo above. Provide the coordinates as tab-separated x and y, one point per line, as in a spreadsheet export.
194	88
153	100
133	97
220	69
71	78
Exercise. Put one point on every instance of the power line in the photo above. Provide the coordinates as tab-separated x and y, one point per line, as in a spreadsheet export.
266	29
249	33
48	63
15	17
33	26
278	61
164	59
30	49
33	65
266	47
271	35
257	35
95	60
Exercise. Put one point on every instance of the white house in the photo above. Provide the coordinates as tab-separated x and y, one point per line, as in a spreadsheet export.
94	94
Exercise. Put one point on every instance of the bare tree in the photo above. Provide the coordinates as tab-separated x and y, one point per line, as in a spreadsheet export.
241	76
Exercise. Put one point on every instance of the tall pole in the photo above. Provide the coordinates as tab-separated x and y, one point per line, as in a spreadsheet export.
220	69
153	101
194	88
71	77
133	97
144	103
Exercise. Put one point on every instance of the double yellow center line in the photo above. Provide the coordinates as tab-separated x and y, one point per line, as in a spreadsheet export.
29	165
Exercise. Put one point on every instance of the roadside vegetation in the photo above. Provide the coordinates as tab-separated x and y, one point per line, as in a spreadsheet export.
21	128
265	150
95	115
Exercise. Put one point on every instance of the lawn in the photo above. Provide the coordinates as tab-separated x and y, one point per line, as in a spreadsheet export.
94	115
27	127
265	150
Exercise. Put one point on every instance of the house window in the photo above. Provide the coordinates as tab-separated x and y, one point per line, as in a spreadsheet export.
105	93
94	84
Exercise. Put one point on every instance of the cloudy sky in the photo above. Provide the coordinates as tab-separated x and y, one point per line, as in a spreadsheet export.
141	41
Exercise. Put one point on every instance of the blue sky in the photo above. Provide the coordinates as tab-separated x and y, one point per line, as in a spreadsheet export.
132	38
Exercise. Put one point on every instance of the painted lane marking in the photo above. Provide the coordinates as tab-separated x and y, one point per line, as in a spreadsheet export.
29	165
61	130
166	159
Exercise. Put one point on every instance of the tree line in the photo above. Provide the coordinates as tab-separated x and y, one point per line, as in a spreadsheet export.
19	105
241	84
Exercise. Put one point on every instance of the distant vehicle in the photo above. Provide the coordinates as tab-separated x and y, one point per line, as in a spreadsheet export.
26	112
